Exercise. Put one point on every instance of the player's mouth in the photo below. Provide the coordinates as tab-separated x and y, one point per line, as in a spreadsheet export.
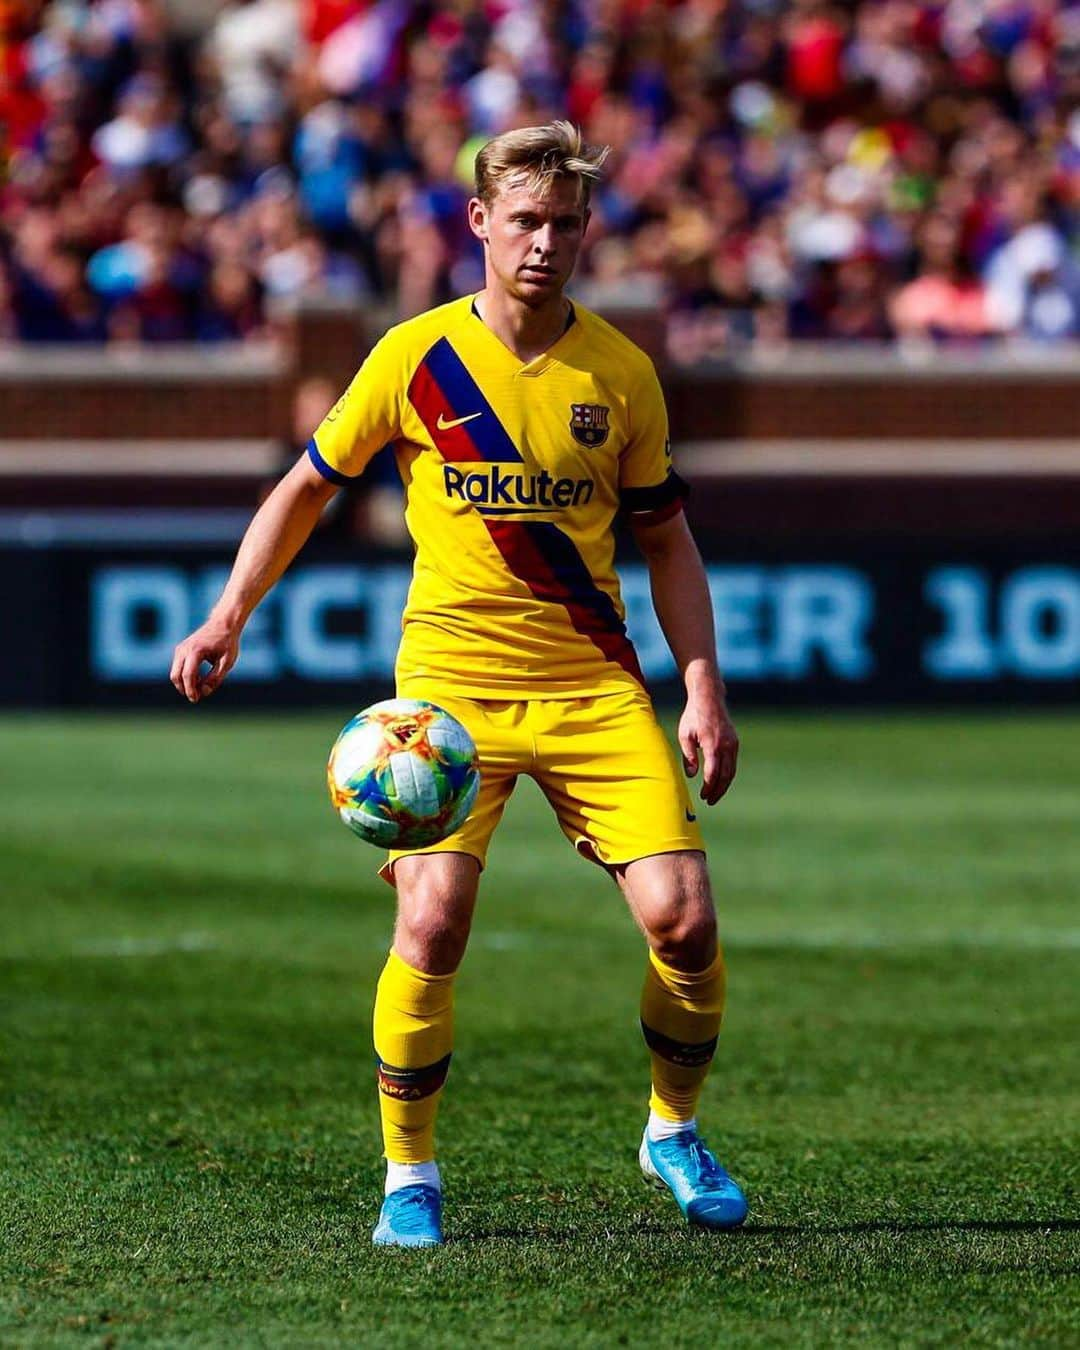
541	274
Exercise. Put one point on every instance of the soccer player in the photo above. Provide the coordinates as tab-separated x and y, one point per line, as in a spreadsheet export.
522	423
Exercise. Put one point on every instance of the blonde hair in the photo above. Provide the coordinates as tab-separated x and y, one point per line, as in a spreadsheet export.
535	157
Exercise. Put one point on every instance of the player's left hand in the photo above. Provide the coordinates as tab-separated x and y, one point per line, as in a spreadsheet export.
709	742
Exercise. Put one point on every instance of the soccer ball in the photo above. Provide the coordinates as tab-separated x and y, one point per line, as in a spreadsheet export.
403	774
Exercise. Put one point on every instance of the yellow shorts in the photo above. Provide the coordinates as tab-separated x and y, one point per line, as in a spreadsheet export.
603	763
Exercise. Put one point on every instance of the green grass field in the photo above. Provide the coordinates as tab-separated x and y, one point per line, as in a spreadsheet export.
189	1142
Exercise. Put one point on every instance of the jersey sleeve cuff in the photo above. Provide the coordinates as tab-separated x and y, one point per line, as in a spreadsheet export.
656	503
331	474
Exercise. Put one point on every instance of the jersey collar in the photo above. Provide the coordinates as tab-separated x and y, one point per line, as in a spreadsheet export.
538	364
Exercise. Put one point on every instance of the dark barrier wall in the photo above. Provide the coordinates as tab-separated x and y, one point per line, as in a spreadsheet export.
890	624
956	400
847	394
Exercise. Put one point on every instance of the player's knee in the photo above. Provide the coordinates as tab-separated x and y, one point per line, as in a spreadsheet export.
672	899
431	939
685	936
683	924
434	917
431	947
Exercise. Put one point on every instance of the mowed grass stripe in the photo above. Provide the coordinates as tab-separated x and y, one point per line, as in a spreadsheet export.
190	943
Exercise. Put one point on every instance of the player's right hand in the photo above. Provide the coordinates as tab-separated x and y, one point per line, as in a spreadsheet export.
215	645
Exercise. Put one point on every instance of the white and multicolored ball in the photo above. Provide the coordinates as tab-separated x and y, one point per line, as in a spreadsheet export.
403	774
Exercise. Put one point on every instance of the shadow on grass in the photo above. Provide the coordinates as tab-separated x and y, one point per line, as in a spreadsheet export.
925	1226
542	1233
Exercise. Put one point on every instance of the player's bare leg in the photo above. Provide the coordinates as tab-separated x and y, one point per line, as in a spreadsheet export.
683	997
436	896
671	899
414	1010
682	1005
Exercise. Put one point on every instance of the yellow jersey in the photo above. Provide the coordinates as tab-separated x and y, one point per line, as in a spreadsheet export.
513	472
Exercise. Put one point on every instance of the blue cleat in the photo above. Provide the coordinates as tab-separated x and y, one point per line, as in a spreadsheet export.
705	1193
410	1217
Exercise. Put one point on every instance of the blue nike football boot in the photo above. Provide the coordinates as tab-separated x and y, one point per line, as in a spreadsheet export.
410	1217
705	1193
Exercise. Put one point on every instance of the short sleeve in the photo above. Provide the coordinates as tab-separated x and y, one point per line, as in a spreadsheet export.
365	418
649	488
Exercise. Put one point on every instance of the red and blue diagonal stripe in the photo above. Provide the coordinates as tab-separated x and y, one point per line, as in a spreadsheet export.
443	388
537	552
548	562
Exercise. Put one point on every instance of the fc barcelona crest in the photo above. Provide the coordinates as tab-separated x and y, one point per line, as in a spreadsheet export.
589	423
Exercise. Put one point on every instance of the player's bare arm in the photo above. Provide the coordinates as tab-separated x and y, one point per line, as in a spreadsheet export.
680	592
276	534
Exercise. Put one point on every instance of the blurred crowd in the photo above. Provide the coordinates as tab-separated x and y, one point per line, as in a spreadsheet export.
877	169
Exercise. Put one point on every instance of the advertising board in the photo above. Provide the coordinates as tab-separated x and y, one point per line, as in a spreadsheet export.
97	626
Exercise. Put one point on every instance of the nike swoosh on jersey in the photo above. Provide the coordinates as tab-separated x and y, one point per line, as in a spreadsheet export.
442	385
443	425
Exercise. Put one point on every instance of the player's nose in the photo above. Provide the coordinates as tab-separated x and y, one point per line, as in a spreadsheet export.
544	241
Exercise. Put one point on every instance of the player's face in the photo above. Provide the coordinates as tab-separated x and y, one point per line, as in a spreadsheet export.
532	243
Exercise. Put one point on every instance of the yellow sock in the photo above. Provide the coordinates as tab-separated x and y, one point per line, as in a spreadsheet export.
414	1028
681	1012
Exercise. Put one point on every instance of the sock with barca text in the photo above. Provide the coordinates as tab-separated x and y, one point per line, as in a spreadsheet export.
414	1018
681	1012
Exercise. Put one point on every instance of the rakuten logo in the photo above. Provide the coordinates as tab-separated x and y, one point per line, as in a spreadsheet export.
493	486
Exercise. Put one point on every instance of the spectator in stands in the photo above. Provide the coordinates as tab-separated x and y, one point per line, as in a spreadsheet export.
1034	285
145	133
814	38
231	306
946	300
253	45
148	282
858	312
53	303
50	298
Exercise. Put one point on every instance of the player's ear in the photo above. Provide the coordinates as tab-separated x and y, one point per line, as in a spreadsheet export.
478	219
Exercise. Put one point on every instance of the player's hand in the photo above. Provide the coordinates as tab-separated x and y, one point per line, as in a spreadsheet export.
214	644
709	742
